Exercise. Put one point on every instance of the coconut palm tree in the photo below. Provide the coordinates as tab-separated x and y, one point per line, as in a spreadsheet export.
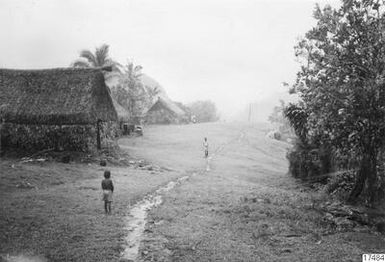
98	59
132	74
153	92
131	80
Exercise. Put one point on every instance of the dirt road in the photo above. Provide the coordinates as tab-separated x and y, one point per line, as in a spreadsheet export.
245	208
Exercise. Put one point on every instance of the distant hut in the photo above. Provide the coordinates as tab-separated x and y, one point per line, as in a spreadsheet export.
165	112
67	108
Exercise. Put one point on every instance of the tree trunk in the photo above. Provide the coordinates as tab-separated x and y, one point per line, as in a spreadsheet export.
359	184
372	181
366	173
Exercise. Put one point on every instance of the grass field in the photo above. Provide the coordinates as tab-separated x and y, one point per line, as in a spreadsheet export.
53	211
246	208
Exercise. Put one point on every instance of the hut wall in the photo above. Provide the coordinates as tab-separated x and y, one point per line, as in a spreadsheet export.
66	137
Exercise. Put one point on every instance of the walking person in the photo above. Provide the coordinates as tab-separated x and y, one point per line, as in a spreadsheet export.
108	189
206	147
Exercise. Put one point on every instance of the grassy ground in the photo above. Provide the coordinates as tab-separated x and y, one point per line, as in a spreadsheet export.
53	211
246	208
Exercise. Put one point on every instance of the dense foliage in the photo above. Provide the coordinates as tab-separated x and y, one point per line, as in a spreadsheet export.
342	88
204	111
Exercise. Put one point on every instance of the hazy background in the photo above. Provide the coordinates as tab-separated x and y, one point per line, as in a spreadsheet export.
232	52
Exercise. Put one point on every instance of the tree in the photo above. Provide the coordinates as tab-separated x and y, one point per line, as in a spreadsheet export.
98	59
204	111
133	74
136	93
152	92
131	93
342	84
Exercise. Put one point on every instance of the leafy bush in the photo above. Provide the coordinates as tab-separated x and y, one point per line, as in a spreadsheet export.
341	183
304	162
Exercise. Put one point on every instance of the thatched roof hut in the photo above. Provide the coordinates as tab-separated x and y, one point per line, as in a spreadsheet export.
165	112
162	103
62	96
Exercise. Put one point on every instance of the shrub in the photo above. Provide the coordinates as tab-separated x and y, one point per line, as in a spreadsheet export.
341	183
304	162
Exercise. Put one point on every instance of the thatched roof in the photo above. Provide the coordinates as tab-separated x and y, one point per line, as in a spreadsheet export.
55	96
123	114
184	108
168	105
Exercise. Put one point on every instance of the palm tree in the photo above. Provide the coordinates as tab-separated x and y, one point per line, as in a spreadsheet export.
133	74
131	79
98	59
152	92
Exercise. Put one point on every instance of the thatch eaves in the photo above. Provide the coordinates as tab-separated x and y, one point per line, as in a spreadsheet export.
61	96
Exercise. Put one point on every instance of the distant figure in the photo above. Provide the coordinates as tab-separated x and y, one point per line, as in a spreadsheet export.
108	189
206	147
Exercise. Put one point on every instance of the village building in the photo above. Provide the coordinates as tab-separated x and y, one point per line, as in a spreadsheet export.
165	112
65	108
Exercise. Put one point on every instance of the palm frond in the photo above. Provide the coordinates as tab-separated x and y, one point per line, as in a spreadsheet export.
101	55
115	65
138	68
119	65
80	63
112	75
89	56
297	117
137	76
129	69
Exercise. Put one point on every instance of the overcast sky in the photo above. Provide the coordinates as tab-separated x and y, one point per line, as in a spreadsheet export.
230	51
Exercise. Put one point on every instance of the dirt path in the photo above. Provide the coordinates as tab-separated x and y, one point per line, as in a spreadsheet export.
239	205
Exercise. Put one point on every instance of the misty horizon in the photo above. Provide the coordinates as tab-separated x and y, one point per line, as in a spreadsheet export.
233	53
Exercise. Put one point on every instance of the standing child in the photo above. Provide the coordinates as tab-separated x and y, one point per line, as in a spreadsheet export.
206	147
108	189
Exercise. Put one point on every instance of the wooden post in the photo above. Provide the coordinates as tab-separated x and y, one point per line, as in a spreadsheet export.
98	143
